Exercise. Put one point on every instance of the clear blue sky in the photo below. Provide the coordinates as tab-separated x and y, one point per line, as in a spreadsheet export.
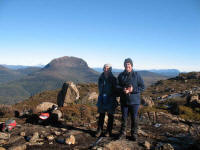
156	34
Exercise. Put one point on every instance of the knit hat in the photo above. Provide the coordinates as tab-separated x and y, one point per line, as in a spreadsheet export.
128	60
108	65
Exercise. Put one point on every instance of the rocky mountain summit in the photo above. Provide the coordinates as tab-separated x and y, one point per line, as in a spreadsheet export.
66	61
169	119
52	76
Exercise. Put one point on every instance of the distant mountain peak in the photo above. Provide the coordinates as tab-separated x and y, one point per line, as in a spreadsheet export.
3	68
67	61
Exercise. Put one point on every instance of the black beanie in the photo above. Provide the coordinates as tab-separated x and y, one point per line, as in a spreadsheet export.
128	60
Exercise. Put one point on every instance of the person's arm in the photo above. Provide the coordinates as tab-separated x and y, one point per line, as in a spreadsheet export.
118	89
99	85
114	86
140	87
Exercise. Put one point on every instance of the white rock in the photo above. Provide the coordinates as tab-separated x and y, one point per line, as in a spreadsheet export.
4	136
70	140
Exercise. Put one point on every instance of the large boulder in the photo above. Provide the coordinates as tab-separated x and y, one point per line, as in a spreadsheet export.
162	146
4	136
90	97
68	94
18	147
44	106
147	101
194	100
58	113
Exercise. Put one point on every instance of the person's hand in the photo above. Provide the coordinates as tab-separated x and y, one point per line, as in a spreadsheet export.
130	89
126	91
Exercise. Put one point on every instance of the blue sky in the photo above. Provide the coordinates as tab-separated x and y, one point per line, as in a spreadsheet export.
156	34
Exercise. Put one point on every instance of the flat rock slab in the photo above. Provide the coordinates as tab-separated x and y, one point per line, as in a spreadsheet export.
4	136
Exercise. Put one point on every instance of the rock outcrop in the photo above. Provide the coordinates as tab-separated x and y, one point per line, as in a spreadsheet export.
194	99
68	94
90	97
44	106
147	101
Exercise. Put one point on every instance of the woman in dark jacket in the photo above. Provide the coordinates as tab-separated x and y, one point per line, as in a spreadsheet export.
106	100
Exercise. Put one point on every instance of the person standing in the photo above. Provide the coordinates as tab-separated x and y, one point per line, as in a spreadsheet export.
130	84
106	100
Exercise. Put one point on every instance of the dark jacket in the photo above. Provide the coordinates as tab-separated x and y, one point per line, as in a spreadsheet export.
107	99
126	79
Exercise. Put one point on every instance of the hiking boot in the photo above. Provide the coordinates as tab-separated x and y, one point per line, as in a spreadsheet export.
122	136
134	129
110	125
98	133
100	125
108	133
134	137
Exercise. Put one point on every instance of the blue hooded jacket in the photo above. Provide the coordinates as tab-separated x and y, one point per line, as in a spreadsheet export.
126	79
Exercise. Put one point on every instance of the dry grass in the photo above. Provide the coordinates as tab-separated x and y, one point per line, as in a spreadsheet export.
32	102
79	113
145	109
188	114
6	111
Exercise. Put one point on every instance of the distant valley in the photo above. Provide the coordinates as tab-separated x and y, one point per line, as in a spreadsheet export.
163	72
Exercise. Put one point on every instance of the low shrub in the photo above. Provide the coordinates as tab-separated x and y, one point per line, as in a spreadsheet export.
79	113
145	109
6	111
188	114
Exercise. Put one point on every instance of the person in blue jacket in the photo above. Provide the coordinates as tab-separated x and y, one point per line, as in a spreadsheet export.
130	84
106	100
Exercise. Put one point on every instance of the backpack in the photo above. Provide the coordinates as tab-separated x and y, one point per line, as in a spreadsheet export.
9	125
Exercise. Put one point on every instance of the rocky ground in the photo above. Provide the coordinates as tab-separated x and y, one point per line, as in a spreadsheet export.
156	131
169	119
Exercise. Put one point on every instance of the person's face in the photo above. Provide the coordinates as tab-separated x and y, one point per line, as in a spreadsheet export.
128	67
106	69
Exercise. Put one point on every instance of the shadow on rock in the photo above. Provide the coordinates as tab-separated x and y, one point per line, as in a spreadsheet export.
69	127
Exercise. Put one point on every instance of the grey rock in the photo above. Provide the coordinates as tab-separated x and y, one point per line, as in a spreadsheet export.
147	101
4	136
70	140
161	146
35	137
2	142
147	145
68	94
22	133
50	137
19	147
44	106
58	113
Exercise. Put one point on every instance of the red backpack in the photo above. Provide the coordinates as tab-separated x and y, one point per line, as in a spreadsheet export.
9	125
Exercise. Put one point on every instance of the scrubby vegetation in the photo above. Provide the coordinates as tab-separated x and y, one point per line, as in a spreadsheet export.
145	109
169	86
188	113
79	113
178	106
5	111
